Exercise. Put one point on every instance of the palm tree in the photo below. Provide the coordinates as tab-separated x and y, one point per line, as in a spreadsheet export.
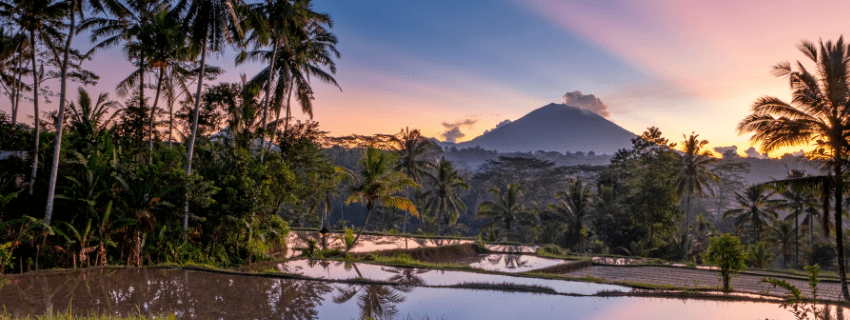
155	39
41	20
694	177
13	46
756	207
411	148
782	234
89	119
301	46
573	206
75	8
443	199
166	41
379	185
212	24
508	211
817	114
797	198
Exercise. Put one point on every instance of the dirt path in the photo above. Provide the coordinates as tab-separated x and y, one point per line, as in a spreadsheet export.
685	277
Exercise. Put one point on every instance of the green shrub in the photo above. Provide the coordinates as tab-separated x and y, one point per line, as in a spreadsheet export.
598	247
551	250
348	238
727	253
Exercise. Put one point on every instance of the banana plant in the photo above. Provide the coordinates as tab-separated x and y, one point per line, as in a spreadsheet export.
28	231
73	236
105	231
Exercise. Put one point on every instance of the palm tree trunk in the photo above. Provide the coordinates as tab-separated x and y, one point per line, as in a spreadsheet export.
19	86
369	207
191	148
170	122
153	112
277	117
35	110
687	244
16	88
756	221
796	236
839	232
811	231
267	100
57	148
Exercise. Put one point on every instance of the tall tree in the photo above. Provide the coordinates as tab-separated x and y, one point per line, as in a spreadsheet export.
694	177
301	46
508	211
412	148
573	205
818	115
41	20
212	24
796	197
75	9
442	199
379	185
755	206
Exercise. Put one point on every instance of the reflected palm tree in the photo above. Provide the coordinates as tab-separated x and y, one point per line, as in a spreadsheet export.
512	261
375	301
407	278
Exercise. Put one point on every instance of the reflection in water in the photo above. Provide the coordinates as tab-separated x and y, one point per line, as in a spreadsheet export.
616	261
375	301
208	295
366	243
346	271
513	262
162	291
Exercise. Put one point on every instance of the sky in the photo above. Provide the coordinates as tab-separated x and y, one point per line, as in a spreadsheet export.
462	67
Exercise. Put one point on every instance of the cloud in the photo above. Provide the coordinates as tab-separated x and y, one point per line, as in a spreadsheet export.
453	132
501	124
753	153
730	150
586	102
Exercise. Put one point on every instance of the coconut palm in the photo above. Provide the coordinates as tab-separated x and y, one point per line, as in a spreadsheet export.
755	207
443	199
796	197
304	46
41	20
379	185
166	46
782	234
212	24
572	207
411	149
74	8
13	49
88	117
694	177
818	114
507	211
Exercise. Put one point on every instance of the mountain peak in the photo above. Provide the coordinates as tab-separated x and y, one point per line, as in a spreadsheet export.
556	127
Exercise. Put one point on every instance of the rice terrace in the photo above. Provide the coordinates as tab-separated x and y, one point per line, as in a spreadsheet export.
480	159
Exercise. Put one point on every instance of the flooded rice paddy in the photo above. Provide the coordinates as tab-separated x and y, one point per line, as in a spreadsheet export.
505	262
210	295
322	289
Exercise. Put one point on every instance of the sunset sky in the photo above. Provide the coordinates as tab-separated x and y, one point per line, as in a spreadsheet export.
680	65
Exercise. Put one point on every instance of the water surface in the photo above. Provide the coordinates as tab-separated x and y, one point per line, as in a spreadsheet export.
205	295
